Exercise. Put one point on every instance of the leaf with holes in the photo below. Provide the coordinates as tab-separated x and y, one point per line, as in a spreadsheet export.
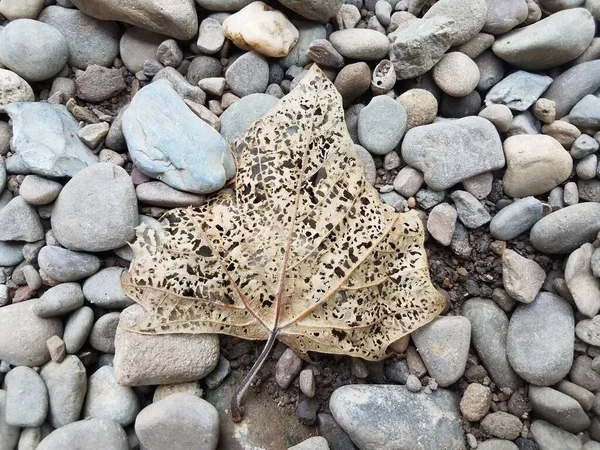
303	251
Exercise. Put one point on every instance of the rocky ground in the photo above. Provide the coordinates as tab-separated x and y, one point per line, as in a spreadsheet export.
484	115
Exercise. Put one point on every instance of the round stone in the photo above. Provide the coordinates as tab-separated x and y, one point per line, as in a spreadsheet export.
540	343
37	190
104	289
21	9
456	74
381	125
236	119
92	434
59	300
26	398
516	218
13	89
65	265
353	81
360	43
47	49
178	422
96	210
138	45
421	107
102	336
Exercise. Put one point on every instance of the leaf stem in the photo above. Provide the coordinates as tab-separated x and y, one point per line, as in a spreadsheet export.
236	409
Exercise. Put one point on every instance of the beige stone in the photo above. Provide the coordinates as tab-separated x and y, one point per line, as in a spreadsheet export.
21	9
13	88
421	107
536	164
563	131
175	18
456	74
259	27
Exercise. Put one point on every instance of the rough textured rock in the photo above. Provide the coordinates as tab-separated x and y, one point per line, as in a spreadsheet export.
558	409
375	416
320	10
469	17
450	152
522	277
177	18
239	116
19	221
13	89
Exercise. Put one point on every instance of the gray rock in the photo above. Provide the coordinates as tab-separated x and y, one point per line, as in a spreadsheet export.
323	53
159	148
178	422
584	146
572	85
314	10
309	32
503	16
553	41
78	328
23	334
444	346
203	67
92	434
588	330
239	116
47	49
109	400
249	74
360	43
376	415
210	37
11	253
441	223
45	137
583	374
214	379
502	424
36	190
223	5
419	45
519	90
180	84
59	300
96	210
586	112
589	190
491	70
161	359
489	329
450	152
368	163
582	284
102	336
19	221
496	444
500	115
566	229
522	277
115	140
65	265
169	54
408	181
104	289
13	89
137	46
549	437
516	218
177	18
458	107
552	6
157	193
381	125
9	433
313	443
428	198
67	386
99	83
541	351
469	17
26	398
90	41
558	408
582	395
470	211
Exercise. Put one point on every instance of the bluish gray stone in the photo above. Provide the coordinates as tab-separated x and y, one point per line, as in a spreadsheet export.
109	400
376	415
47	49
77	329
45	137
19	221
489	328
469	17
558	408
11	253
102	336
360	43
428	198
555	40
236	119
550	437
90	41
516	218
249	74
381	125
180	84
184	421
26	398
583	146
96	210
65	265
23	335
453	151
92	434
444	347
59	300
566	229
309	32
540	342
9	433
104	289
176	146
586	113
572	85
470	211
519	90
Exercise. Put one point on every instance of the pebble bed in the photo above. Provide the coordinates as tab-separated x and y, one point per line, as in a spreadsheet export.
483	115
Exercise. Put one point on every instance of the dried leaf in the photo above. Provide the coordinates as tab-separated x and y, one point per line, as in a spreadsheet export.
303	251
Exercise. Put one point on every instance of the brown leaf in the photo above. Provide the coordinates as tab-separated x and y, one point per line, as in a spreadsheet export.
303	250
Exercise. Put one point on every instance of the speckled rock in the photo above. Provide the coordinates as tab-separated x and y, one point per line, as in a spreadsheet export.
13	89
522	277
381	125
519	90
362	44
249	74
516	218
239	116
